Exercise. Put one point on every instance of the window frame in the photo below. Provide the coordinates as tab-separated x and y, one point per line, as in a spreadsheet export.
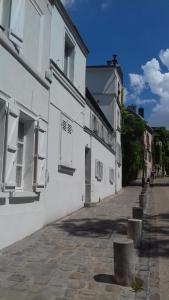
69	59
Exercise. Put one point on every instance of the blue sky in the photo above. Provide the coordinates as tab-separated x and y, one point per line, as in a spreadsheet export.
138	31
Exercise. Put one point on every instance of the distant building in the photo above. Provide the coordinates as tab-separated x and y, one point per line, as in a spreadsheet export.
106	84
147	140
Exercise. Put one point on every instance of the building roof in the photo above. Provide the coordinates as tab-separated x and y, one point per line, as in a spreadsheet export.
92	102
70	25
117	67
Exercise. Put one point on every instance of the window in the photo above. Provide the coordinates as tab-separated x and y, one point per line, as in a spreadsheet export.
111	175
24	167
69	58
20	155
5	14
98	170
94	124
34	34
12	19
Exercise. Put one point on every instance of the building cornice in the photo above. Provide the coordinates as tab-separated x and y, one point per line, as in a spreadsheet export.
60	76
90	132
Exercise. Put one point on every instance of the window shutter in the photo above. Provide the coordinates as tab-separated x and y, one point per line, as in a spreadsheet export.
4	13
17	21
1	14
66	141
40	156
11	148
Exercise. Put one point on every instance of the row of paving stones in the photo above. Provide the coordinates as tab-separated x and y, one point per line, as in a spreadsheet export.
71	258
148	267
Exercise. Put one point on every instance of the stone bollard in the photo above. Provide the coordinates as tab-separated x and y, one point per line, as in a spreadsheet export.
124	261
138	213
134	231
142	200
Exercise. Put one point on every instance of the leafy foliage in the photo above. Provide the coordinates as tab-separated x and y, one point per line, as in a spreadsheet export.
132	145
137	284
161	150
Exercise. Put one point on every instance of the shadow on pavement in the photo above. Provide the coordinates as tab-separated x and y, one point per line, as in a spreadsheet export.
151	245
94	228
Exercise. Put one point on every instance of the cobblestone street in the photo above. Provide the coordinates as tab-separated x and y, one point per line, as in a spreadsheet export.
73	258
65	259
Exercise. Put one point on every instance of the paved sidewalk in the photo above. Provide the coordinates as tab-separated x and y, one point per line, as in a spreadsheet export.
159	279
65	259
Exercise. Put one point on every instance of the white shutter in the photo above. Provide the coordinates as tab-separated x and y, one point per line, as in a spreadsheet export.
17	21
4	13
40	156
11	148
1	14
66	142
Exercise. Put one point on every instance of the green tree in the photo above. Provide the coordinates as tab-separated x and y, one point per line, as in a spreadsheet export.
132	145
161	150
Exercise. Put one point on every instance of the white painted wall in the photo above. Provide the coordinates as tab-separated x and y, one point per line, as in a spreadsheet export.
36	36
65	193
21	86
103	188
58	31
18	86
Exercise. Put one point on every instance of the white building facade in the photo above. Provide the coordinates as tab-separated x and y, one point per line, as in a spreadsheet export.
57	149
106	85
24	96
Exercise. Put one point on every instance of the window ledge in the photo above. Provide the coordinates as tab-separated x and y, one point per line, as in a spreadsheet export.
66	170
23	197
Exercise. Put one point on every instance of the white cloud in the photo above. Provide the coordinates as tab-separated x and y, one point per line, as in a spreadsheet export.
137	83
68	2
140	101
158	83
164	56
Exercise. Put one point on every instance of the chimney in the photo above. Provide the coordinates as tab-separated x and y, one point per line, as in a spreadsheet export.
141	112
132	108
113	61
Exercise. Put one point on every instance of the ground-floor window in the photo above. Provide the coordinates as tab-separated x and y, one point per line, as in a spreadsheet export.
23	161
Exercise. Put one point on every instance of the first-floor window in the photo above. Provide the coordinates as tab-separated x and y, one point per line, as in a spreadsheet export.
20	154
